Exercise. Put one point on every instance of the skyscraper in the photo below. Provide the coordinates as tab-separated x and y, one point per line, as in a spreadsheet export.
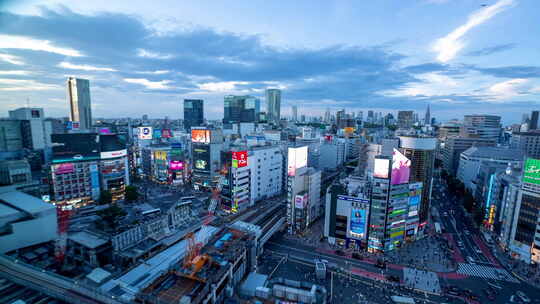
295	113
327	115
533	123
238	109
405	119
79	102
273	105
427	118
481	126
193	113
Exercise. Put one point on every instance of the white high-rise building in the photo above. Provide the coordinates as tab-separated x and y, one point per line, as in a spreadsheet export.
36	131
273	105
79	102
295	113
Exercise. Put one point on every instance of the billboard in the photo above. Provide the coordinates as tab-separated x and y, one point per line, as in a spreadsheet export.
531	171
239	159
157	133
175	165
113	154
401	168
105	130
166	133
73	125
300	201
358	222
201	158
145	132
381	168
64	168
297	158
200	136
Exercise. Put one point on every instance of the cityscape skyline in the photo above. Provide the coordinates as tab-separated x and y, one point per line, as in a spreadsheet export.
150	62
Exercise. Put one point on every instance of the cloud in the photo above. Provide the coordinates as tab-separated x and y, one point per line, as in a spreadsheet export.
492	49
508	89
153	55
159	72
83	67
18	72
448	46
511	71
11	59
225	86
151	85
24	85
20	42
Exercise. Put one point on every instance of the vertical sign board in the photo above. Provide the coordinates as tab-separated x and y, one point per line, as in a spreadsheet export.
382	166
401	168
531	171
145	132
297	158
94	179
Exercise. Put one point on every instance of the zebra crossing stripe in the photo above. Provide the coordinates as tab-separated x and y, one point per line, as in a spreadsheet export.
486	272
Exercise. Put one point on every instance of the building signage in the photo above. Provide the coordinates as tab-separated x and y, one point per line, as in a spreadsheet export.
200	136
297	158
401	168
145	132
381	168
166	133
358	223
175	165
352	199
531	172
113	154
239	159
64	168
300	201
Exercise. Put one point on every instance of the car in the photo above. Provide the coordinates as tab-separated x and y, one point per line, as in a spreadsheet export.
478	251
445	213
523	296
470	260
380	264
467	232
357	256
340	252
460	244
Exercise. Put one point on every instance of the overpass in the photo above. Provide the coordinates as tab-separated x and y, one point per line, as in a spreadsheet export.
51	284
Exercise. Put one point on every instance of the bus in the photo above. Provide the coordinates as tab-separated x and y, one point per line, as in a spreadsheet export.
402	300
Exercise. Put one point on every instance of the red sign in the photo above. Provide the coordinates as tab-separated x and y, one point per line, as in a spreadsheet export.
239	159
166	133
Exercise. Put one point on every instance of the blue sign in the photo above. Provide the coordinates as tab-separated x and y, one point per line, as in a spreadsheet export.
358	221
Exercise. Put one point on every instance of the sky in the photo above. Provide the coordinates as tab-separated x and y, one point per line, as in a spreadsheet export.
145	57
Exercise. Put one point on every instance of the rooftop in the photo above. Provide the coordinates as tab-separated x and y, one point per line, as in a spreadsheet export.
88	239
25	202
494	153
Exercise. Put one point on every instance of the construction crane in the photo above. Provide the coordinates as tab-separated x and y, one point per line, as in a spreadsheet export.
63	212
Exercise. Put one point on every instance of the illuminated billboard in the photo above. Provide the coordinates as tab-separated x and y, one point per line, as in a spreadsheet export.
358	222
145	132
104	131
113	154
166	133
381	168
239	159
200	136
297	158
300	201
175	165
201	158
401	168
64	168
531	171
157	133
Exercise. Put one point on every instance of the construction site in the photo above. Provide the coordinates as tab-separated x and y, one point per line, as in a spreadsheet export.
207	274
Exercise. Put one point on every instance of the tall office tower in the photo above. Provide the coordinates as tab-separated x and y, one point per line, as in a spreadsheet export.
237	109
427	118
533	123
525	118
360	115
421	152
145	117
79	102
327	115
405	119
206	147
295	113
528	142
481	126
193	113
273	105
370	116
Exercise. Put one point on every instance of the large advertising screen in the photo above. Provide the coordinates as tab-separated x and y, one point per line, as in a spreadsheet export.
113	154
145	132
381	168
239	159
300	201
200	136
531	172
175	165
64	168
201	158
401	168
297	158
166	133
358	222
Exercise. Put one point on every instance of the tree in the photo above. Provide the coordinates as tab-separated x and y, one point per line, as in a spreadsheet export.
131	193
105	197
111	215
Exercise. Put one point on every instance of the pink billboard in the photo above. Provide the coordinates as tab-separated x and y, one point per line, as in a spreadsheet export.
176	165
64	168
401	168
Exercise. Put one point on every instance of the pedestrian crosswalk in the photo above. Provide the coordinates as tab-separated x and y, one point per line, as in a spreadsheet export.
486	272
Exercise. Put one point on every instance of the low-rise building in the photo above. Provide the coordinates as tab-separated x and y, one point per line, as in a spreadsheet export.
15	172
